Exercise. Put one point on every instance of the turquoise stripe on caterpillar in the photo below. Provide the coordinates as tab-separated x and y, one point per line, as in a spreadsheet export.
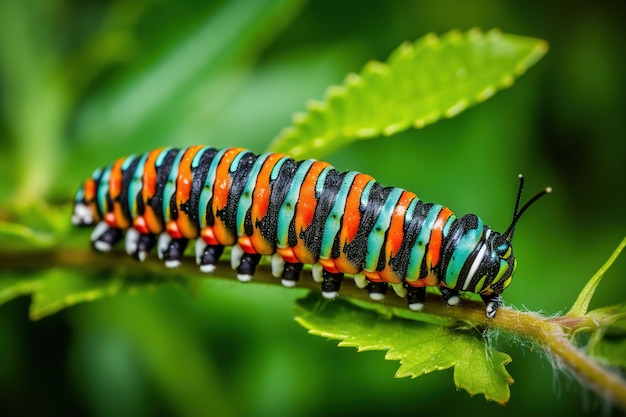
419	248
136	183
333	221
321	179
234	165
376	238
288	208
198	157
207	191
103	189
161	157
462	250
129	160
365	195
170	184
245	201
277	167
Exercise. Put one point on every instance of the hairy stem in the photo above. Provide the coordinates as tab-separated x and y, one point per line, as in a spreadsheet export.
549	333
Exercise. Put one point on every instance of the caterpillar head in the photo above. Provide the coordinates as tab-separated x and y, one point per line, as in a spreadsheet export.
480	260
477	259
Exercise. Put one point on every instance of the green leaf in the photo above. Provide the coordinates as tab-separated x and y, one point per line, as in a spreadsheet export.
608	344
56	289
34	225
12	232
581	304
420	347
420	83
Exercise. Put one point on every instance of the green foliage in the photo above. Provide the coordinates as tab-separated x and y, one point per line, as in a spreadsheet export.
584	298
420	83
420	347
609	344
83	83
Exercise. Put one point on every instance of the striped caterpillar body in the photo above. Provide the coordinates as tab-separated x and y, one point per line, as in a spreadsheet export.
300	212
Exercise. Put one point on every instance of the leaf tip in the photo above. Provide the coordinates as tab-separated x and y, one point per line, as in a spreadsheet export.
486	93
508	80
299	118
353	80
431	39
315	105
456	108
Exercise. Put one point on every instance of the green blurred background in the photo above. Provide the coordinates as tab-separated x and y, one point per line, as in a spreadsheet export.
84	82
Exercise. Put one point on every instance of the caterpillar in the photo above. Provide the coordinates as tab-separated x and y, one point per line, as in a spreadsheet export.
299	212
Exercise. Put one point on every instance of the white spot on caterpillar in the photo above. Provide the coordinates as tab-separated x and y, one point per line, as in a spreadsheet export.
98	231
172	263
330	295
162	244
416	306
318	272
454	300
82	215
377	296
101	246
236	254
200	247
278	265
207	269
288	283
244	277
131	241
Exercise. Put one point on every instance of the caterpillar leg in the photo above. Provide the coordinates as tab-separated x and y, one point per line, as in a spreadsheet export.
451	297
399	289
291	274
377	290
207	256
244	263
247	266
172	253
104	237
415	297
138	245
493	302
331	282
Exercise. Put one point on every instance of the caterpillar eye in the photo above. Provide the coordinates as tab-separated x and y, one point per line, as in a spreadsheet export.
502	249
501	246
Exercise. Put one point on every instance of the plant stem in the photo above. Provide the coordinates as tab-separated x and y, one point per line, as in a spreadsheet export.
548	332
